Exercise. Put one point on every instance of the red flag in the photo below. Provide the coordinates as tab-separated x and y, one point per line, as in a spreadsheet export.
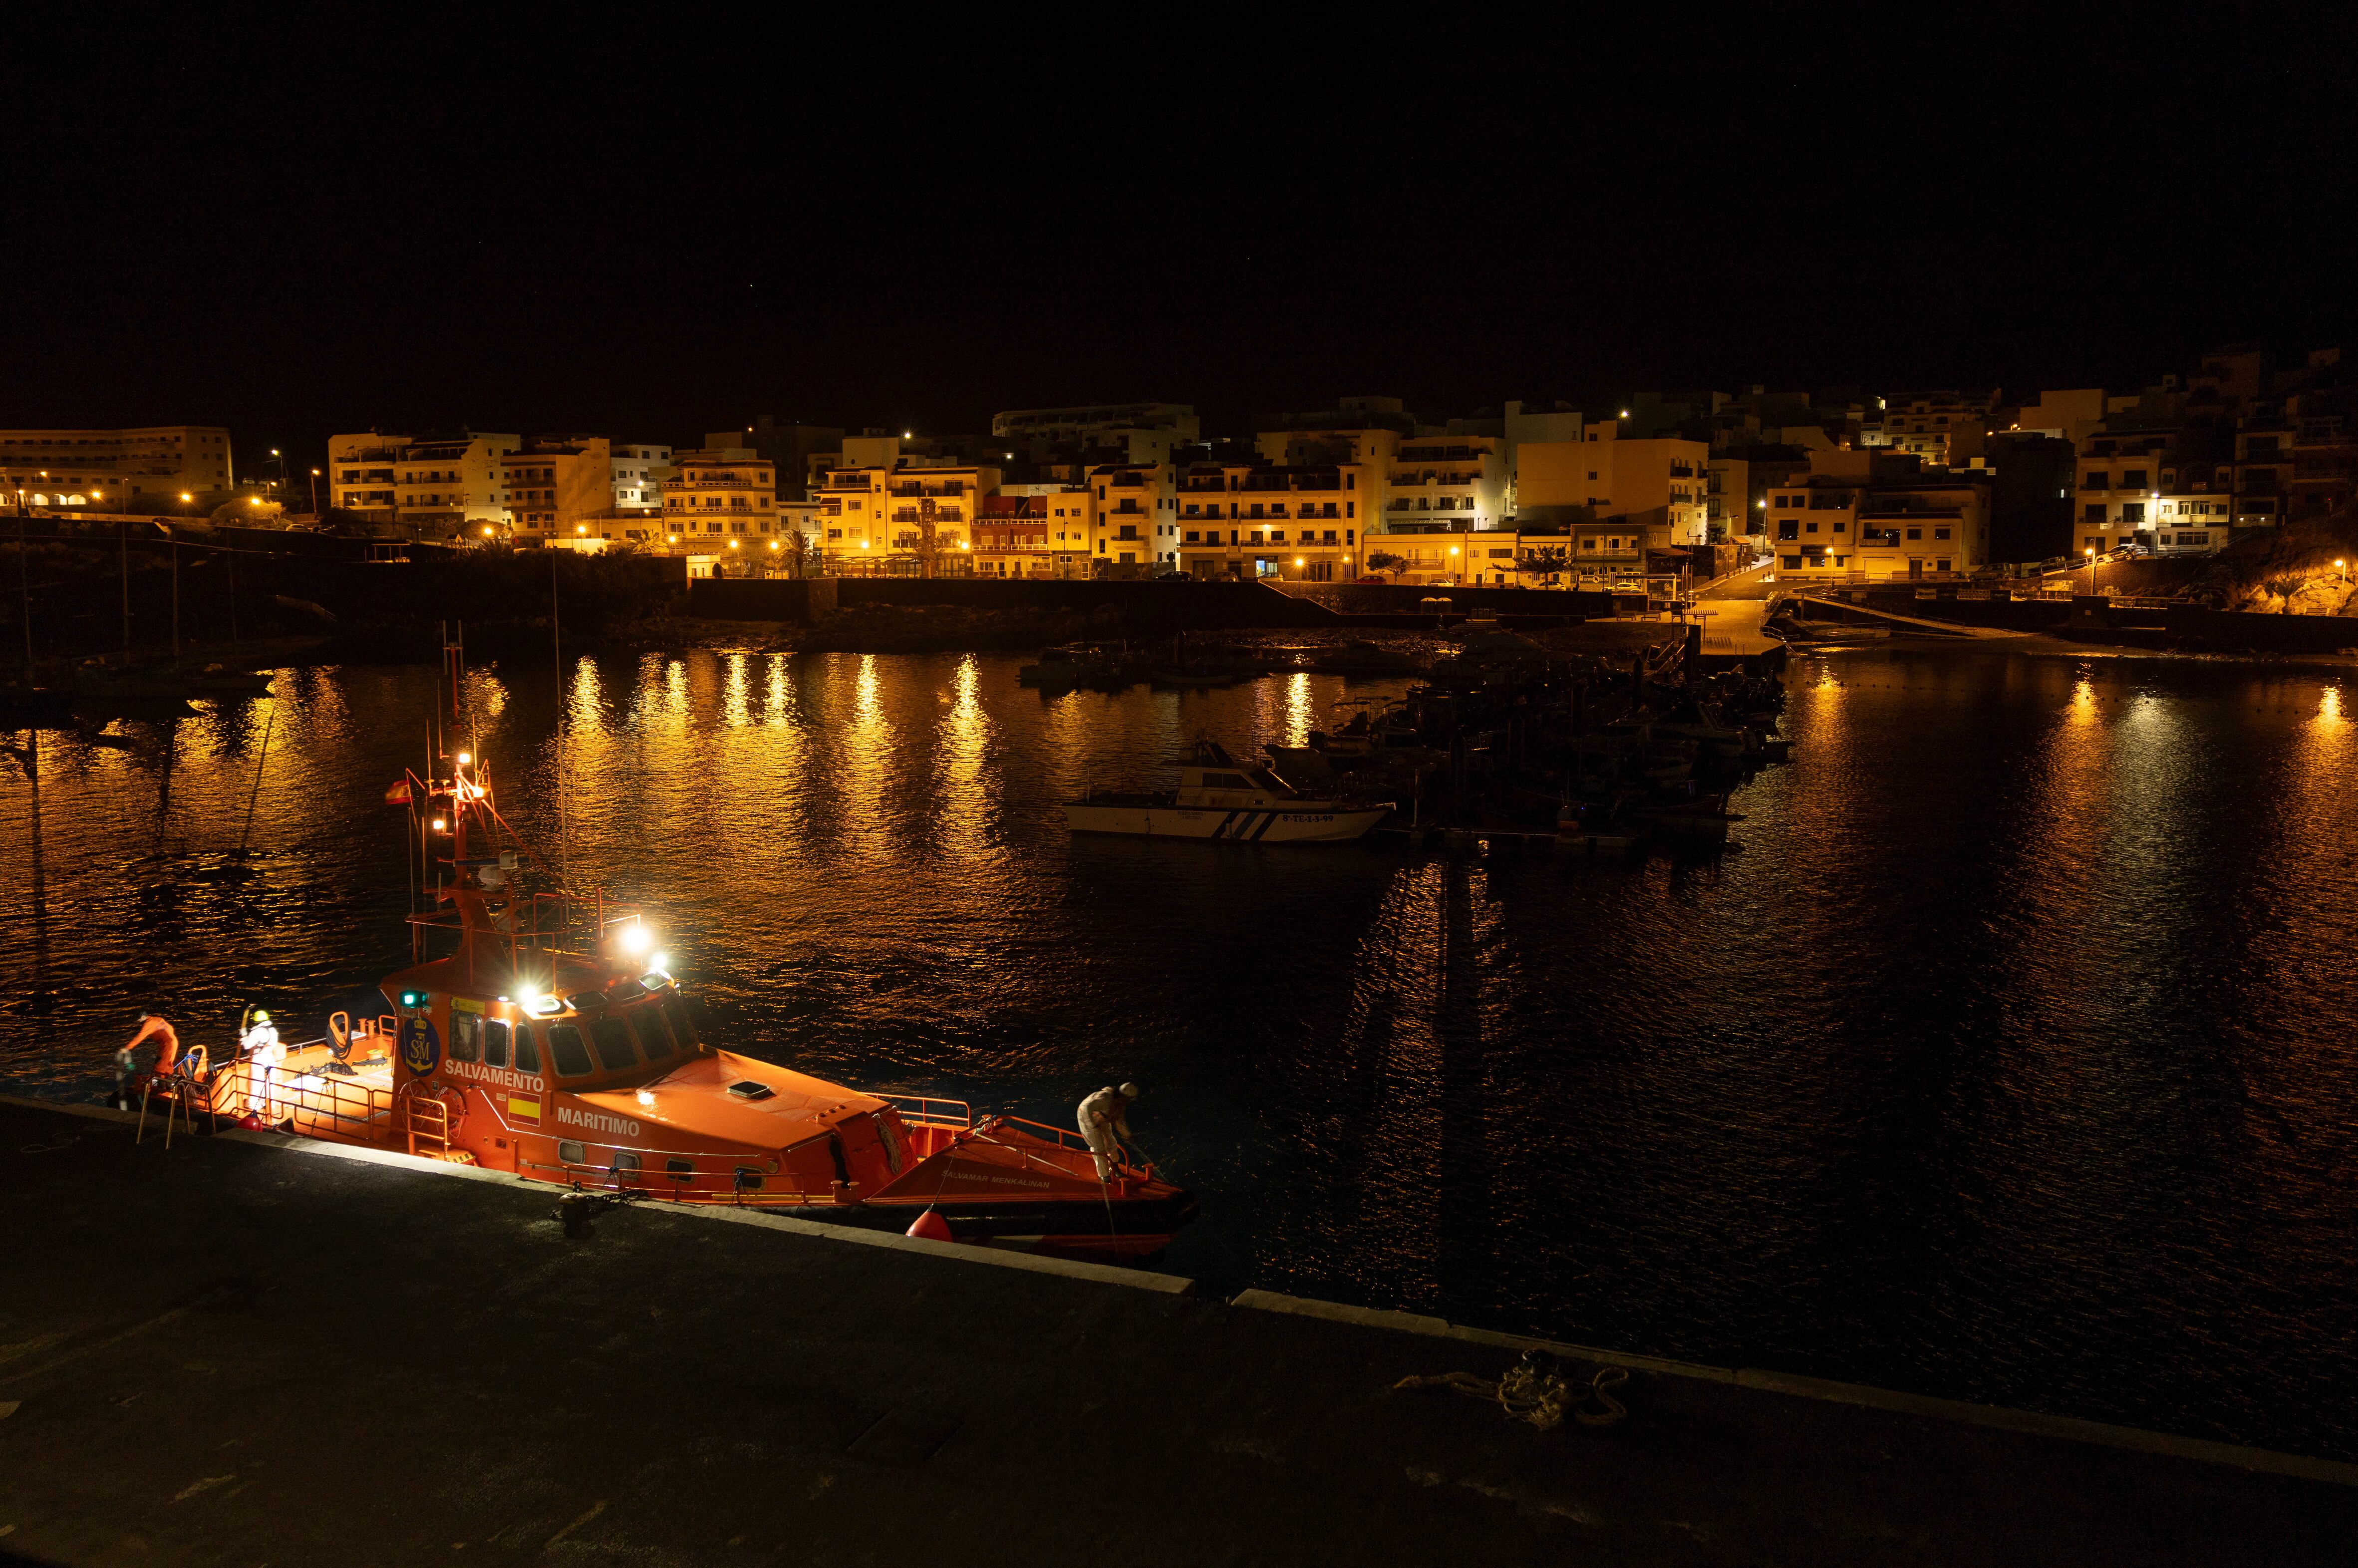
398	794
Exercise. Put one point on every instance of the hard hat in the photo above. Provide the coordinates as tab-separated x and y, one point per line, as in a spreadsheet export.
261	1017
1128	1091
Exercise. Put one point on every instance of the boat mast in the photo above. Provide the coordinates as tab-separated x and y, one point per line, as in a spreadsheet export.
557	654
24	589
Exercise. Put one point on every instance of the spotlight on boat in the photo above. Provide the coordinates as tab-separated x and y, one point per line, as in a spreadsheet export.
646	1097
465	757
542	1006
635	939
660	961
439	825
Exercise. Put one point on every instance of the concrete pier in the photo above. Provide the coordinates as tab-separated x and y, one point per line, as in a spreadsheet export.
252	1349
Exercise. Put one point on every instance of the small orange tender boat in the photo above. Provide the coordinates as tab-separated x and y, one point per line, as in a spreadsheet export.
547	1042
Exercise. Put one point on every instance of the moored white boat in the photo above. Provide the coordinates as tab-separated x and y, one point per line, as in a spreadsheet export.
1219	797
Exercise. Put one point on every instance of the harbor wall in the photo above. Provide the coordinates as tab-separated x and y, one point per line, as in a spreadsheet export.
1145	606
154	1291
1414	598
2234	631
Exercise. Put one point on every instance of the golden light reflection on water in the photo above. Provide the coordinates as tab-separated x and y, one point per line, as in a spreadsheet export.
964	821
1300	714
734	711
2067	946
774	698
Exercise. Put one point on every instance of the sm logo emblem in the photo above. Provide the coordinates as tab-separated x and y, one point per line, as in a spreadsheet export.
421	1048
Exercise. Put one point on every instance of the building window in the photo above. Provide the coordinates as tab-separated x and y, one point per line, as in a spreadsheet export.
1941	533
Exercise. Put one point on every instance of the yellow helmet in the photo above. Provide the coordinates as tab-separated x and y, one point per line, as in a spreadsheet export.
260	1016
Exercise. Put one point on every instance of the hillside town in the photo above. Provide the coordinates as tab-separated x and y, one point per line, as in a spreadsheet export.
1836	484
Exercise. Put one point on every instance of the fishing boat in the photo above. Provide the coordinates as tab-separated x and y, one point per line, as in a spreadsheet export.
538	1031
1219	797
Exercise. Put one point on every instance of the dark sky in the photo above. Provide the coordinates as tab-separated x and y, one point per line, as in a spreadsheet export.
655	223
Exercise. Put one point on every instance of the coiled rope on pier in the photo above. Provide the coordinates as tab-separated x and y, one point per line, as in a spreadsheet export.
1530	1391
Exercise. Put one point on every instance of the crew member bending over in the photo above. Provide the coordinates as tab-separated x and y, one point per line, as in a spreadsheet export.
155	1026
1105	1121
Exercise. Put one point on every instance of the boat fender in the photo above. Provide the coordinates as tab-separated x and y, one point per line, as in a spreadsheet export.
930	1226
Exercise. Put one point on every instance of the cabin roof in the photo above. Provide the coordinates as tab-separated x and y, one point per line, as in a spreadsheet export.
693	1098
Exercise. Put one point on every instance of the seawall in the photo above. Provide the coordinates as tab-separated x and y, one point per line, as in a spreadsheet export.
258	1348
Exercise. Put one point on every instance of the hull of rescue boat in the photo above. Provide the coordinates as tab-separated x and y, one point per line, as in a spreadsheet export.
1101	1230
1308	824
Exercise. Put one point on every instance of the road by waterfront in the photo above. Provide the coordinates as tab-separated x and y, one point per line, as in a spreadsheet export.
2011	1061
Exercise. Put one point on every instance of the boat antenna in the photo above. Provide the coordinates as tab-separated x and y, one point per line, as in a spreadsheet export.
557	654
24	590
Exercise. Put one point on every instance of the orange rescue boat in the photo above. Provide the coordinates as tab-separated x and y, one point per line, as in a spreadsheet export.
545	1040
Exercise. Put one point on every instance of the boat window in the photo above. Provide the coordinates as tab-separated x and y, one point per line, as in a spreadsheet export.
749	1179
565	1048
683	1027
466	1036
571	1155
654	1033
890	1135
613	1038
625	990
623	1161
679	1167
585	1001
495	1043
527	1050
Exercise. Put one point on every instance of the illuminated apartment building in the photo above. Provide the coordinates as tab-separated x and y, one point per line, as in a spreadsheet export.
1871	517
451	485
912	521
1660	485
719	500
1012	539
637	481
1939	429
559	489
2152	488
1134	518
1276	520
100	467
1445	483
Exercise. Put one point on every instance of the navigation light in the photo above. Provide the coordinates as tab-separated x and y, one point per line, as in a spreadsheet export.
635	939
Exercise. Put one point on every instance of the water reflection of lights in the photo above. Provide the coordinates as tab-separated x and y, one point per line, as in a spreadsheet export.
734	712
2328	710
1298	710
773	694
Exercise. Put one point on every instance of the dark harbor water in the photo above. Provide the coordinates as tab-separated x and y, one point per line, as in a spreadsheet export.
2013	1060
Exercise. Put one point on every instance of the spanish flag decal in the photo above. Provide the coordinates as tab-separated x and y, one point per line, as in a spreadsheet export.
523	1109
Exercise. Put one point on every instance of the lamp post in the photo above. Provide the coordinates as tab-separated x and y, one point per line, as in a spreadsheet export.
315	492
2091	553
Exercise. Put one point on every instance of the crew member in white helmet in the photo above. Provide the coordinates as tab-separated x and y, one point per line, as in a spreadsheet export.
260	1044
1105	1121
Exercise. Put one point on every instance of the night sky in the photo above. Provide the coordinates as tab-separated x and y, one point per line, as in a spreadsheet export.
650	224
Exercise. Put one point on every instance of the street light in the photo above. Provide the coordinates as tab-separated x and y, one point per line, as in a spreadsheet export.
315	492
2091	553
